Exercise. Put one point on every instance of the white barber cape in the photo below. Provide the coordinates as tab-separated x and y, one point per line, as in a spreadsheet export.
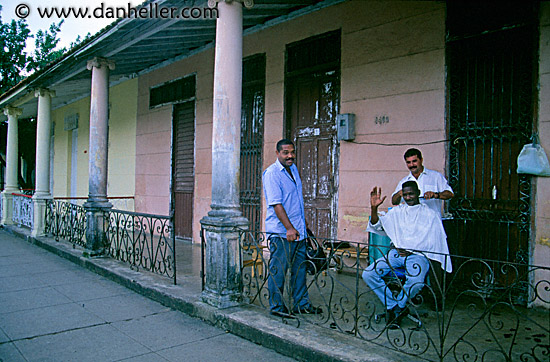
418	229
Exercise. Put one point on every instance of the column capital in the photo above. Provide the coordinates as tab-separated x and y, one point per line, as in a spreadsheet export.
42	92
247	3
98	62
13	111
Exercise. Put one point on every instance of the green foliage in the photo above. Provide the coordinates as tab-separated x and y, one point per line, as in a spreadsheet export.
13	59
45	43
80	40
15	63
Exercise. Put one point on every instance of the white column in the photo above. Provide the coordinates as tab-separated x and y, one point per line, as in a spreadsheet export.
42	174
97	201
222	268
11	183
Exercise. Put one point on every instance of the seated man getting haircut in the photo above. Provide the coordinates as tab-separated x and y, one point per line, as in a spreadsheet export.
417	234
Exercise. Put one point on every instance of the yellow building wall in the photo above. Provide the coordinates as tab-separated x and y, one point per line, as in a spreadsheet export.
63	149
123	100
122	141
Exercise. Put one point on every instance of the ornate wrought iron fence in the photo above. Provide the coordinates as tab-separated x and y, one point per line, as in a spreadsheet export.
23	210
65	220
142	240
451	319
125	203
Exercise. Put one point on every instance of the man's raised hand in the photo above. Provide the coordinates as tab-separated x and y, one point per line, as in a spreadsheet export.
376	198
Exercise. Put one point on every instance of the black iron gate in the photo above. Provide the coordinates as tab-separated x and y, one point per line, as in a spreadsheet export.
252	132
491	117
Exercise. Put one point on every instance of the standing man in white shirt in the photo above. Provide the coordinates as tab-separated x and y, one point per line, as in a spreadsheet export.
433	186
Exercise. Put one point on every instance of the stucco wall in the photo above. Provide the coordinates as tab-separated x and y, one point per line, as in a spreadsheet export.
63	146
392	64
122	140
542	204
154	132
122	143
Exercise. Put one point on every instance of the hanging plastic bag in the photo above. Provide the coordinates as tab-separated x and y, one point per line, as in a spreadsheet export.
532	160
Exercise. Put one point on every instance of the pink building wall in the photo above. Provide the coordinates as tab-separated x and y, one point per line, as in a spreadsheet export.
392	65
154	138
386	69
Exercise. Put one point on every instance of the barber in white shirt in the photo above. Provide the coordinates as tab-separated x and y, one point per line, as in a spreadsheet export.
433	186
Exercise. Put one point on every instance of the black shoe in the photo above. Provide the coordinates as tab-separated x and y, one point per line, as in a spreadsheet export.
400	314
395	316
309	310
390	318
280	313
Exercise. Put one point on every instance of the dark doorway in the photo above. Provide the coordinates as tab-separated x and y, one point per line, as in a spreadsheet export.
183	168
491	49
312	89
252	138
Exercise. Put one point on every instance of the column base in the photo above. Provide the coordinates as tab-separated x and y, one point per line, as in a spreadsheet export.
222	260
214	299
39	214
96	240
97	204
7	207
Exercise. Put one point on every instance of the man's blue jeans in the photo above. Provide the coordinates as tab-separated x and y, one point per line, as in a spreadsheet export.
417	266
283	255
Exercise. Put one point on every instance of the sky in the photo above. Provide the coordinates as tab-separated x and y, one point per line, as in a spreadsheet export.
72	27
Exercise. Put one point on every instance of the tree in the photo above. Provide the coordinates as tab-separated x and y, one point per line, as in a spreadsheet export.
13	59
45	43
15	63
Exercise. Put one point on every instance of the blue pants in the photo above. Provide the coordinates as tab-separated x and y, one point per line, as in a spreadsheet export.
417	266
283	254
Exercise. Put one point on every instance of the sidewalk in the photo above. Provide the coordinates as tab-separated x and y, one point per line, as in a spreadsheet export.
51	309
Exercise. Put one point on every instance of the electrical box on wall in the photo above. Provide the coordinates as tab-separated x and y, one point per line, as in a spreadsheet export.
346	126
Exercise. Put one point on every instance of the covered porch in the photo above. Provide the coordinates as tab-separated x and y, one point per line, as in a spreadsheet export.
485	319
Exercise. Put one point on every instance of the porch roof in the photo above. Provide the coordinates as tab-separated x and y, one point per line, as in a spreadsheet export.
139	46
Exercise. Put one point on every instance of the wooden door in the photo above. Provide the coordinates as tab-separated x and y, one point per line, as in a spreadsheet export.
183	168
312	103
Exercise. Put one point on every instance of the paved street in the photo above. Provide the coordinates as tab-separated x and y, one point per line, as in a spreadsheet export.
53	310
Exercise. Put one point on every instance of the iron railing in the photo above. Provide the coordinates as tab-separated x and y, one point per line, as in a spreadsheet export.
459	316
23	210
67	221
125	203
142	240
